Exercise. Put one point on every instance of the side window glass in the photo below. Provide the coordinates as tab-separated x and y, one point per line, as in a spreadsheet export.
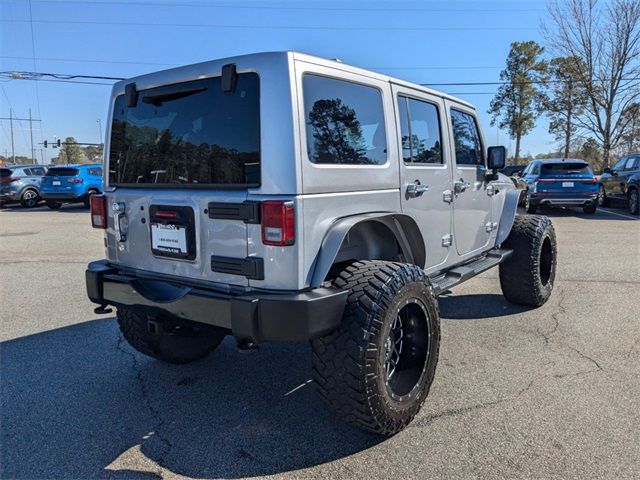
620	164
344	122
420	131
630	162
467	139
28	172
38	171
636	166
536	169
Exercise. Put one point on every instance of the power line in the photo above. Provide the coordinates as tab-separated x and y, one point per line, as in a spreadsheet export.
128	62
66	81
15	75
301	8
270	27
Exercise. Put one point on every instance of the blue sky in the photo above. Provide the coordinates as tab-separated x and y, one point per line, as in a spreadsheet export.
425	42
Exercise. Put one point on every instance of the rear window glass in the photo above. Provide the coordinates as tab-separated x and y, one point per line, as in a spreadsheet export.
188	133
5	172
565	168
62	172
344	122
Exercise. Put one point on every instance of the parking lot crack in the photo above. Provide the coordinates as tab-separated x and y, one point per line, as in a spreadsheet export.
560	310
167	446
586	357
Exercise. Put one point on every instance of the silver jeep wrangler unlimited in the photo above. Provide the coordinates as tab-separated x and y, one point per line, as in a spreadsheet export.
281	196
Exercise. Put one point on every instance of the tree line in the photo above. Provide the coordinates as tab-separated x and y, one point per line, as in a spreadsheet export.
589	89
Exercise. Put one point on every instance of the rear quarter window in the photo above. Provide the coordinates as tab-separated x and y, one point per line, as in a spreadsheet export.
344	122
97	172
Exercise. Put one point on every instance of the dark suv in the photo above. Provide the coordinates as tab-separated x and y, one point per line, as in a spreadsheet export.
21	183
614	182
560	183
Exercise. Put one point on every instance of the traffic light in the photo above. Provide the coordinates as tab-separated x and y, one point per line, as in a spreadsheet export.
45	144
58	143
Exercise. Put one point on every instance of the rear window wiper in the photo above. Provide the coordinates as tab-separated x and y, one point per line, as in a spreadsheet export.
158	99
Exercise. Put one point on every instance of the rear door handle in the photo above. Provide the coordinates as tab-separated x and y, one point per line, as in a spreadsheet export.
416	189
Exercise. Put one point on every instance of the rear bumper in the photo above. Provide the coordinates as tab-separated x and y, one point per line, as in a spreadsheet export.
252	318
563	200
63	196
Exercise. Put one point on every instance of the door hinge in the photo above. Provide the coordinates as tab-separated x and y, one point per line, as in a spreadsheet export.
447	196
447	240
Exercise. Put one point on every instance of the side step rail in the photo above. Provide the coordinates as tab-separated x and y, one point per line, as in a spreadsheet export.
444	281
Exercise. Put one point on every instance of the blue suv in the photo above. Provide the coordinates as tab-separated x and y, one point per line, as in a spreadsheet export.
559	183
71	183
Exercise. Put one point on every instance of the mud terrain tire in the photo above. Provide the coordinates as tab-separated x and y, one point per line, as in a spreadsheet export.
527	277
389	304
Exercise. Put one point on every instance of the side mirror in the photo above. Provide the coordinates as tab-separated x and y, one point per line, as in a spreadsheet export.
497	158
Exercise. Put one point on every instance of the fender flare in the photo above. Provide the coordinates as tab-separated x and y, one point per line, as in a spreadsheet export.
402	226
508	215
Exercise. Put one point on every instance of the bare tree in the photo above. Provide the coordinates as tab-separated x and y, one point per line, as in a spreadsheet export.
606	39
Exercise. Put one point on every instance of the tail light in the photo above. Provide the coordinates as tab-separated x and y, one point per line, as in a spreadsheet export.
9	179
98	211
278	223
74	180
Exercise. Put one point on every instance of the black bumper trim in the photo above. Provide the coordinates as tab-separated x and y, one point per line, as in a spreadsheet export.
253	318
63	197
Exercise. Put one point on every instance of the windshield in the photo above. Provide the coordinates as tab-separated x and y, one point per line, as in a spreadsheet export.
574	168
62	172
188	133
5	172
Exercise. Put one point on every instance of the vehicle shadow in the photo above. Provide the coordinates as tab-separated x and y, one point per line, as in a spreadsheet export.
564	212
78	402
477	306
66	208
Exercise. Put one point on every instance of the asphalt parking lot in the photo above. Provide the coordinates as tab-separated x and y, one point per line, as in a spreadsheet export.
546	393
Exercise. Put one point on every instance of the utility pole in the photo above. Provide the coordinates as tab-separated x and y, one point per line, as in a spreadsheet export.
33	152
100	130
13	148
11	119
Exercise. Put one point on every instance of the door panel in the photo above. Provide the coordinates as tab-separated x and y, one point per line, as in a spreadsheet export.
471	204
425	169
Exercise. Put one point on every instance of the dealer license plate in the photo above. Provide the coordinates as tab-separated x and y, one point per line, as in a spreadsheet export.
567	184
169	238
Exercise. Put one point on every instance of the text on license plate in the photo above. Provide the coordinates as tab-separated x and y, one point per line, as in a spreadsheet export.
169	238
56	183
567	184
